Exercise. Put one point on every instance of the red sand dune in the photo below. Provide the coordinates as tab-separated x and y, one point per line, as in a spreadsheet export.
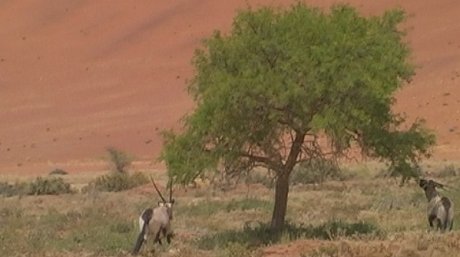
78	76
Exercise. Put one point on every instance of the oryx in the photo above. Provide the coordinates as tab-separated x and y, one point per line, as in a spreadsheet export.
440	209
156	222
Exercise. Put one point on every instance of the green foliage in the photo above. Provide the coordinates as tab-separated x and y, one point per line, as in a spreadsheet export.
282	80
299	72
120	160
116	181
262	234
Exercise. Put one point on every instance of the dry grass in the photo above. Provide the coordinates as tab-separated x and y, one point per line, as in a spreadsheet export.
368	215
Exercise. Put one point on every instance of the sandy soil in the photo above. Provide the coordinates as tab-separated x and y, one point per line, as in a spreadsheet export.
79	76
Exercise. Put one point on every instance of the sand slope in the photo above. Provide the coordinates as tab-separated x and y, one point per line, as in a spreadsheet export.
78	76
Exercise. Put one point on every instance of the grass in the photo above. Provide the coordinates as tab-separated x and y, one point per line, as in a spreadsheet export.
362	216
261	234
100	229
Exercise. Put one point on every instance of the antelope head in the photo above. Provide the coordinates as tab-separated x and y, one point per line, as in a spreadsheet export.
164	203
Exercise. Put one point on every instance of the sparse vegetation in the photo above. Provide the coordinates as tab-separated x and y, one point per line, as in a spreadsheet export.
359	217
119	160
116	181
58	172
39	186
315	172
448	171
261	234
48	186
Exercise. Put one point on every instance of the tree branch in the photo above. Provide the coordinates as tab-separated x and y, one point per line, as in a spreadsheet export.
265	160
296	148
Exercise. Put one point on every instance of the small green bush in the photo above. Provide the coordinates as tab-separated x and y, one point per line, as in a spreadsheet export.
48	186
116	182
120	160
40	186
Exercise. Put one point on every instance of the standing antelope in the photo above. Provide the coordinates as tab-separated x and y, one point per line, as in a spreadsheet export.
156	221
440	208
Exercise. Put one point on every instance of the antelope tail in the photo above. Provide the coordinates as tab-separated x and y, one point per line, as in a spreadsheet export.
144	223
447	205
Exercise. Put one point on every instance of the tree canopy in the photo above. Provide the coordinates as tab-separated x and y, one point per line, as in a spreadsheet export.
282	80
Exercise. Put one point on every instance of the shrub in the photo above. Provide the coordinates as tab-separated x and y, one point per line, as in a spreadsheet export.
314	172
116	181
40	186
48	186
10	190
119	160
58	172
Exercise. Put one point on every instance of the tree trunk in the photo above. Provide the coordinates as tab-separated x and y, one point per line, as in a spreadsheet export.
281	197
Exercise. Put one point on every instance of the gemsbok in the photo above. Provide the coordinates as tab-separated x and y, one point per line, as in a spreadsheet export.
440	209
156	222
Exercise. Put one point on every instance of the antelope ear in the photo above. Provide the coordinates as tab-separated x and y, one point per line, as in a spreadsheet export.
422	183
161	204
173	201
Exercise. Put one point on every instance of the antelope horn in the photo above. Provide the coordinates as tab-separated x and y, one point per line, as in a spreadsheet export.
170	190
156	188
438	184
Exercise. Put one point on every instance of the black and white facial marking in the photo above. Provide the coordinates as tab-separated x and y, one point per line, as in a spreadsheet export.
440	209
156	222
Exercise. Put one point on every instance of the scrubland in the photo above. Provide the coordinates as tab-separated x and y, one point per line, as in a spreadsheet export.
362	212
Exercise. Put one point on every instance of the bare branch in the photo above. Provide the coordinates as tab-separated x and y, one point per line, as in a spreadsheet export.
263	160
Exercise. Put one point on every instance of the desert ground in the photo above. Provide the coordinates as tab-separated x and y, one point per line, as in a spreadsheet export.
77	77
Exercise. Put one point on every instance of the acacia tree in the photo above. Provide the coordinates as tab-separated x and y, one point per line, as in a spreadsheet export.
281	81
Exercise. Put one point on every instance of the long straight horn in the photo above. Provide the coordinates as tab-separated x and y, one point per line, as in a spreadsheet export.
438	184
156	188
170	191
